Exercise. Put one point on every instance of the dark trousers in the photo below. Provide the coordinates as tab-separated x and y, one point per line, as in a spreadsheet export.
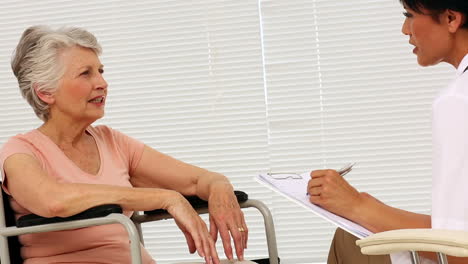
343	250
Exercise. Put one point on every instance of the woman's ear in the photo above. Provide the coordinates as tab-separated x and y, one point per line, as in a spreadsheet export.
46	97
454	20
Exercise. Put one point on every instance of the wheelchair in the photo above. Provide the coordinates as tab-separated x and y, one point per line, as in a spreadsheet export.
111	214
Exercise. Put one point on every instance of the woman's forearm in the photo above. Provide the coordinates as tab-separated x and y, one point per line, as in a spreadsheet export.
72	198
41	194
210	182
378	217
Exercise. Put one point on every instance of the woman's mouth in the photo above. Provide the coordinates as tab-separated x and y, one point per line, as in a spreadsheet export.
97	100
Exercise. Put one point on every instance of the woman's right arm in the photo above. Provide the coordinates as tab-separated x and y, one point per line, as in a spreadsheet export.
331	191
30	185
36	191
378	217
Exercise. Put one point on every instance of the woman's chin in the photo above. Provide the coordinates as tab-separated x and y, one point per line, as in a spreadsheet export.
424	61
428	60
94	117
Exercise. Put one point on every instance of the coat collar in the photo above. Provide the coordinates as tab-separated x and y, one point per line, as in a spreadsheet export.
463	67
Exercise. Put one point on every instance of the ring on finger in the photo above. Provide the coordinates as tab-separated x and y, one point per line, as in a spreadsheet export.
241	229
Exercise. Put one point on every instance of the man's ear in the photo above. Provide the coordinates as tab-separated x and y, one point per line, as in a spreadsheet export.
454	20
46	97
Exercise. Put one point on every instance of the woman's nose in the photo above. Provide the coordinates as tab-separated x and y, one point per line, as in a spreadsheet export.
405	28
101	83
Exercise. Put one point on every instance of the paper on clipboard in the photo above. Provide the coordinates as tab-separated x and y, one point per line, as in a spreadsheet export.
294	187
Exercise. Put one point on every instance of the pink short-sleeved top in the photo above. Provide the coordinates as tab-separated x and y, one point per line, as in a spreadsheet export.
119	155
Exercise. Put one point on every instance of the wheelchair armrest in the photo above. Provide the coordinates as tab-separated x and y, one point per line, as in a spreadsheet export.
198	203
202	207
94	212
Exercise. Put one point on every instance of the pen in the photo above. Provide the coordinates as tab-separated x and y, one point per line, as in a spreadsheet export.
347	168
343	171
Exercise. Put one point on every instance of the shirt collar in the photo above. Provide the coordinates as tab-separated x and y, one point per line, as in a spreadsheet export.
463	65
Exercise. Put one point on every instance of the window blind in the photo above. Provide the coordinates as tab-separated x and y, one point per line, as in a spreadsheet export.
343	86
242	87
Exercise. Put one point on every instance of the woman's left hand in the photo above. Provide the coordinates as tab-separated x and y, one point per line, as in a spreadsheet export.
227	218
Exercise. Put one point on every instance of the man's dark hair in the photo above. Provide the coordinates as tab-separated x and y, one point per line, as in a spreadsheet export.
436	7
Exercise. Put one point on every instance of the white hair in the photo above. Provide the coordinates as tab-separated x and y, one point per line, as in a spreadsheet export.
36	63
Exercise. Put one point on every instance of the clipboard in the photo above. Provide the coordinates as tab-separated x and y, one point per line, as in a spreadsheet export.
293	186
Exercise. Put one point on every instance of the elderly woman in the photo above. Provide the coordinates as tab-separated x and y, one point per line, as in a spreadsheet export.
439	31
67	165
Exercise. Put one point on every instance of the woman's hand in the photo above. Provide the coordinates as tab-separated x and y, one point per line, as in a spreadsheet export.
227	218
194	228
158	170
328	189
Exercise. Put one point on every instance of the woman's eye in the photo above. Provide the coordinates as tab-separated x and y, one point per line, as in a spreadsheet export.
407	14
85	73
101	71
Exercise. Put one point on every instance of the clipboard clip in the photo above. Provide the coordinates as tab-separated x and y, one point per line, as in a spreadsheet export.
284	175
